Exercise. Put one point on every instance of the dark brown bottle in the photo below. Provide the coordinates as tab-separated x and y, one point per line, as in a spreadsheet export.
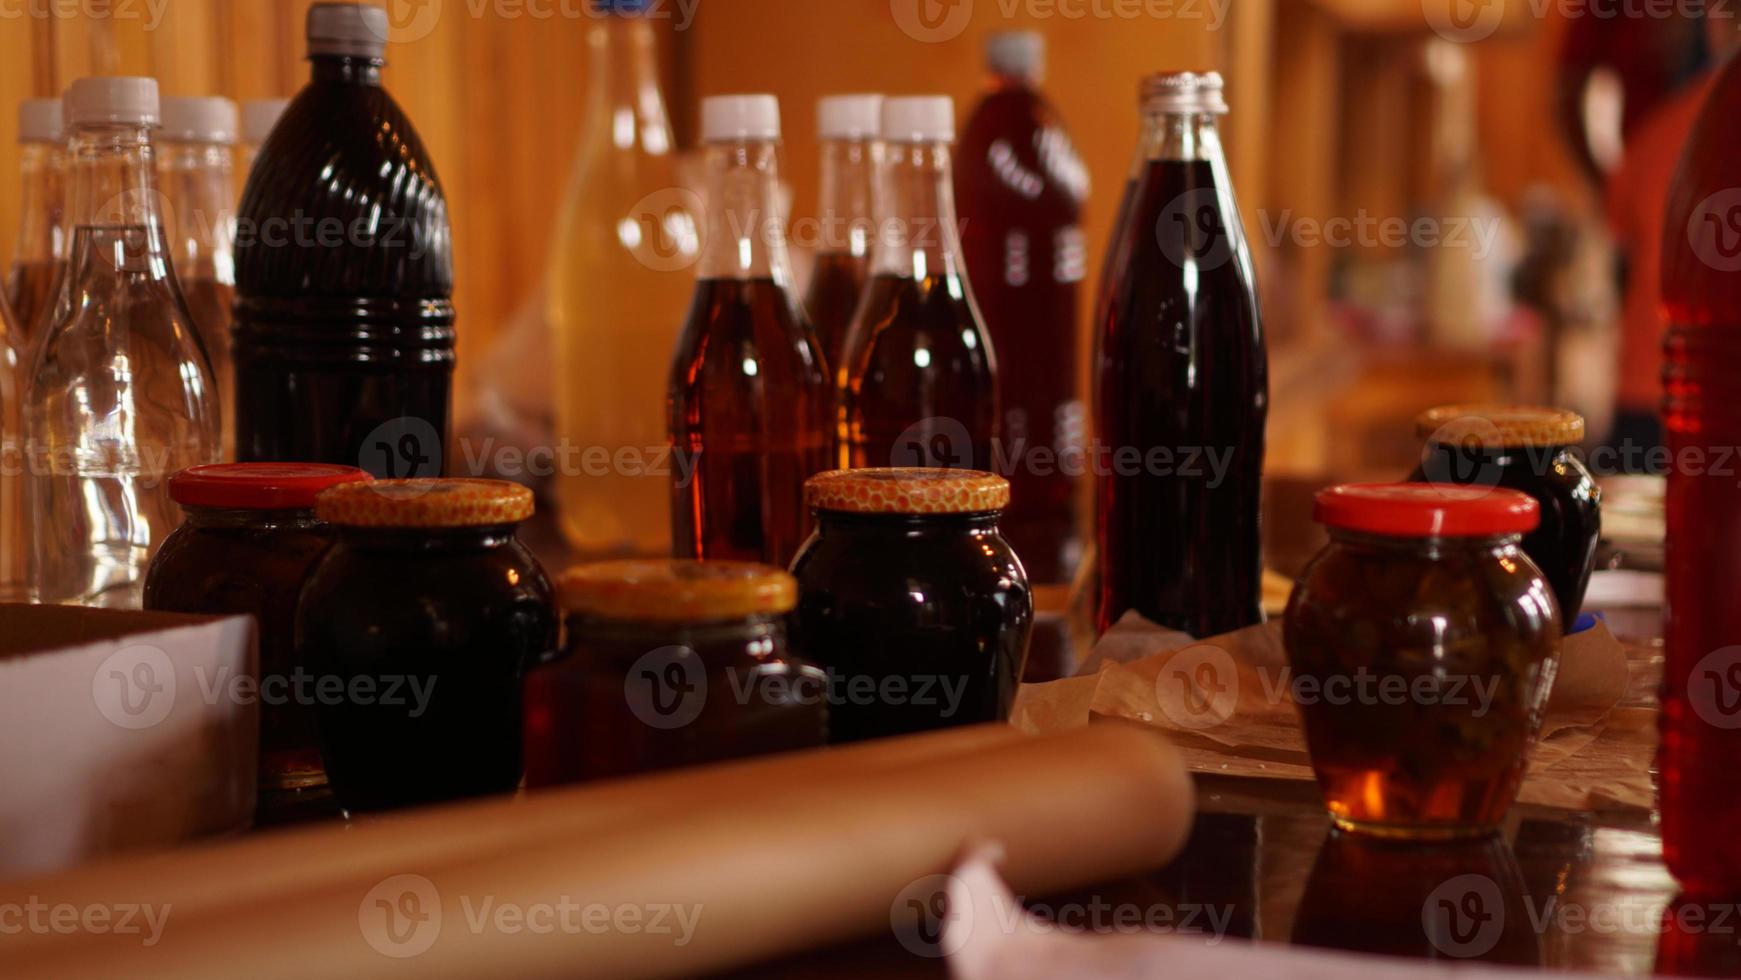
344	327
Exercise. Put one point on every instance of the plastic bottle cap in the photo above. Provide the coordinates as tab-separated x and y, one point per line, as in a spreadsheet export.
259	486
907	490
919	119
849	117
740	117
258	118
1019	54
1426	510
350	30
425	503
676	591
39	121
207	119
1184	91
112	99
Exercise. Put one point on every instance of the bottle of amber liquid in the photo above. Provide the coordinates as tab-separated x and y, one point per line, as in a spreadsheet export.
749	394
40	254
921	379
847	126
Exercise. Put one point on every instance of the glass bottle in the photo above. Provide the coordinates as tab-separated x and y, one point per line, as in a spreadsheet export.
1021	186
196	169
750	395
847	127
1181	383
14	540
121	392
259	118
921	378
624	243
40	253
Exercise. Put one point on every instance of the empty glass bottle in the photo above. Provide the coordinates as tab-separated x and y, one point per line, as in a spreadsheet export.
40	253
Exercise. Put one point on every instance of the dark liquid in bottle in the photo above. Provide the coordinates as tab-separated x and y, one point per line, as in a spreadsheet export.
344	326
750	401
1180	402
923	391
30	292
835	286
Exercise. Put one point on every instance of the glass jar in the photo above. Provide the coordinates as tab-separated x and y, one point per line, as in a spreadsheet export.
1423	644
248	539
669	664
1530	450
419	625
912	600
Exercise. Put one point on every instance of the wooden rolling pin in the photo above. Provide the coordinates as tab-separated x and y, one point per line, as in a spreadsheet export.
792	857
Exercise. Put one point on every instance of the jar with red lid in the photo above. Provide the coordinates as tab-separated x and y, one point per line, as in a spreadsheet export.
1423	644
670	664
419	624
248	539
912	600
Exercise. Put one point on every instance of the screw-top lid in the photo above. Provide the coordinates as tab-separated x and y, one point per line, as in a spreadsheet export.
725	118
1018	54
1426	510
1500	426
676	591
205	119
39	121
919	119
1184	91
907	490
258	118
849	117
118	100
425	503
259	486
348	30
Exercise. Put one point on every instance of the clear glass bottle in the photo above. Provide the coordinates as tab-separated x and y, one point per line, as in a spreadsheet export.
197	172
921	378
847	128
121	394
750	393
14	545
623	247
40	253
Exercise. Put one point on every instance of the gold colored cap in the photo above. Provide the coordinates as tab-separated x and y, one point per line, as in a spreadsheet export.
425	503
1501	426
907	491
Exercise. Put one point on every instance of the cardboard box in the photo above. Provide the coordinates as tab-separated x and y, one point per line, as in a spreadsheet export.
121	731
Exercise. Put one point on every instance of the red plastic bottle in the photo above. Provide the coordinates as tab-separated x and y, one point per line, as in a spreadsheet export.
1701	693
1020	187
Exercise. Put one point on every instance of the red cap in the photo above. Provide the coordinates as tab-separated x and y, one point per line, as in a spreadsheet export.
258	486
1426	510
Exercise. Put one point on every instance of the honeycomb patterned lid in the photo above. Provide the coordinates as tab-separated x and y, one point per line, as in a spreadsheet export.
676	590
425	503
907	491
1500	426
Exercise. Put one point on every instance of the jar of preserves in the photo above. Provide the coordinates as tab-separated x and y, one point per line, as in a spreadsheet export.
419	625
669	664
911	599
1423	644
1531	450
248	539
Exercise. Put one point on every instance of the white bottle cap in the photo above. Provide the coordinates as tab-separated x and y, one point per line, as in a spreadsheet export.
919	119
849	117
740	117
203	119
111	99
1018	54
354	30
258	118
39	121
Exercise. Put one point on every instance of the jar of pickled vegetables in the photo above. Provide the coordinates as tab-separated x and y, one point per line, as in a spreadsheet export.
1423	644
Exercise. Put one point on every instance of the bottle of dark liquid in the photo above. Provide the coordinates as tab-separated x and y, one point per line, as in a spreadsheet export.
1181	382
750	395
1020	187
847	127
344	274
40	254
921	379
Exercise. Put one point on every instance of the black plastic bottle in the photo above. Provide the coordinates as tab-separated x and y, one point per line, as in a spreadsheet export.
344	325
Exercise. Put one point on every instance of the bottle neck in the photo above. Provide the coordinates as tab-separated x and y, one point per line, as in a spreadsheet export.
346	70
746	232
1179	136
625	107
42	233
113	209
917	234
199	191
846	210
